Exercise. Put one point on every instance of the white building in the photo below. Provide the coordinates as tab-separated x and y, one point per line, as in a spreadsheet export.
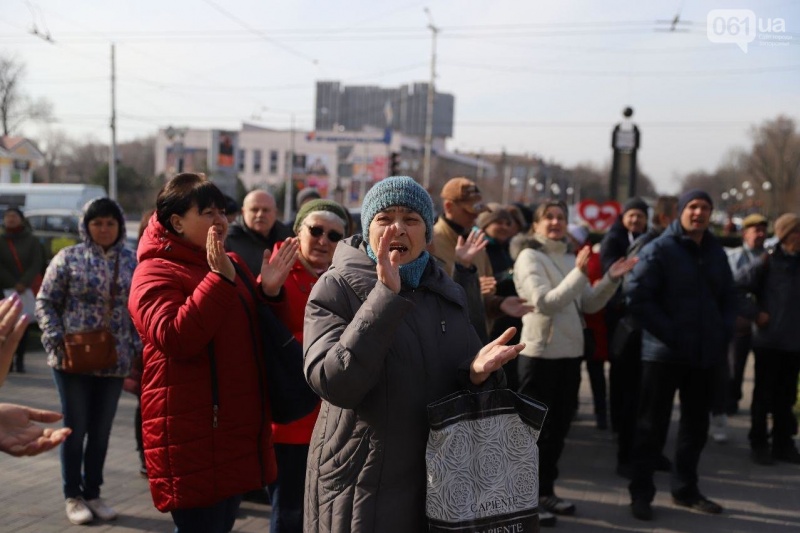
18	159
342	165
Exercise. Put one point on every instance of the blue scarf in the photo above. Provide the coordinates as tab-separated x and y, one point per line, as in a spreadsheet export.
411	273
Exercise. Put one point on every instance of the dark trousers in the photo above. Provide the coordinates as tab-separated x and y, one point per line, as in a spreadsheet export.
597	381
625	376
137	430
737	360
720	393
286	494
555	383
89	404
22	348
658	385
775	392
218	518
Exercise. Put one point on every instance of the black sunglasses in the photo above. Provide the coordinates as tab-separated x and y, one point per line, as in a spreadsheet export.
317	232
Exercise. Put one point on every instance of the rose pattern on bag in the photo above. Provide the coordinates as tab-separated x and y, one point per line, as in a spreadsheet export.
508	476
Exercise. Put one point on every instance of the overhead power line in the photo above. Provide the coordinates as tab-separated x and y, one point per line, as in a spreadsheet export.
259	33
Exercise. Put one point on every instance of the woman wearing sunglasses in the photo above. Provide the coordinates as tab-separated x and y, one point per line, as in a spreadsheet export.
319	226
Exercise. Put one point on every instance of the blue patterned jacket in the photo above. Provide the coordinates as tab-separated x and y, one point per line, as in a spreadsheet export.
74	298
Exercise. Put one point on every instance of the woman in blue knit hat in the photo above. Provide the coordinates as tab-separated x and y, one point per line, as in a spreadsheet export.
386	333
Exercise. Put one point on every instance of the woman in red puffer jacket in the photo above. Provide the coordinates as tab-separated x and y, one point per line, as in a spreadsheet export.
205	414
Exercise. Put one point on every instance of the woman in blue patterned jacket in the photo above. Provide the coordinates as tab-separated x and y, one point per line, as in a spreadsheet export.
75	297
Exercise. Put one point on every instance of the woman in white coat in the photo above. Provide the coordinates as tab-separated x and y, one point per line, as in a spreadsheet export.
549	276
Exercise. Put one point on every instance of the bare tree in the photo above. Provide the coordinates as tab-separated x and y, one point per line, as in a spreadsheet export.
55	145
83	160
774	162
15	106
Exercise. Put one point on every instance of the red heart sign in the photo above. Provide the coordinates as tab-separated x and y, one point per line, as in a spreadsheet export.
599	216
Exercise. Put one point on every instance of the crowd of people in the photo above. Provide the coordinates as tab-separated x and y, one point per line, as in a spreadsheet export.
411	309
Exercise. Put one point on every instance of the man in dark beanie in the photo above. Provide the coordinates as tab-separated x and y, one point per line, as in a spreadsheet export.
630	224
682	292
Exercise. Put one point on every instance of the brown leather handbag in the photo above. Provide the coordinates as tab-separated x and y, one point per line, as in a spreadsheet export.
95	350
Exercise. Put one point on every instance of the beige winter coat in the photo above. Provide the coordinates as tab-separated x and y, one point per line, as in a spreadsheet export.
546	276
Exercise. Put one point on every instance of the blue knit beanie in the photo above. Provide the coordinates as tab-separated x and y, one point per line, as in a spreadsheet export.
401	191
693	194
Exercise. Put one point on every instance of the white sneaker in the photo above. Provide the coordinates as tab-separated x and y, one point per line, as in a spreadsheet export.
77	511
547	519
101	510
556	505
719	428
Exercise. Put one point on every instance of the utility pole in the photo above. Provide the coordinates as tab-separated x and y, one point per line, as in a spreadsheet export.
426	160
112	164
287	193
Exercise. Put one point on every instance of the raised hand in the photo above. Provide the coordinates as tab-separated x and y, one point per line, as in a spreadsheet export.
388	262
19	435
218	260
493	356
582	259
622	266
467	249
275	267
515	306
488	285
12	327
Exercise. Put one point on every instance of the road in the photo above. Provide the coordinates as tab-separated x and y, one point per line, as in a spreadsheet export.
756	498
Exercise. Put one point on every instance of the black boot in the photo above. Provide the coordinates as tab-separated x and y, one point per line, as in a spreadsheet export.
20	363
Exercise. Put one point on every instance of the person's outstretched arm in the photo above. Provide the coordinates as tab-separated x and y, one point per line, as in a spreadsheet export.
19	436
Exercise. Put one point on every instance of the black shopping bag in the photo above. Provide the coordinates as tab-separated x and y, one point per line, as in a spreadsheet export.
483	462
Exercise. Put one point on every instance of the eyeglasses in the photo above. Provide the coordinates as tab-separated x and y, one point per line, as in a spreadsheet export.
318	231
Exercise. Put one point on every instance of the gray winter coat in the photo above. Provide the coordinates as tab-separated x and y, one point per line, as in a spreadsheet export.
378	359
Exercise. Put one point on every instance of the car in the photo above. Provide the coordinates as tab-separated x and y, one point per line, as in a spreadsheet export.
55	228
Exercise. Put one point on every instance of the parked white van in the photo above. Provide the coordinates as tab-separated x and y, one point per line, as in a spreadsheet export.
29	196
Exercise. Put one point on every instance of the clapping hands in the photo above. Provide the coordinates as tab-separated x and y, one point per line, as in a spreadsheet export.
467	249
493	356
275	267
218	260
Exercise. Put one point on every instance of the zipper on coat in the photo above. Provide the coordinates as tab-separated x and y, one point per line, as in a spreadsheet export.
212	360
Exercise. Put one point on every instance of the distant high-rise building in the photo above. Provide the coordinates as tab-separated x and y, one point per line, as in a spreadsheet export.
353	107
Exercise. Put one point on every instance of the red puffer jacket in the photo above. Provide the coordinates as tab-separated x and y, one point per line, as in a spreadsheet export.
205	409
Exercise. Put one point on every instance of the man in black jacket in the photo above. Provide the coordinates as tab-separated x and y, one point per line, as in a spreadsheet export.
630	224
770	296
257	230
682	292
625	355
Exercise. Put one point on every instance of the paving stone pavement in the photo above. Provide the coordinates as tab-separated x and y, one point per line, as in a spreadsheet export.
756	498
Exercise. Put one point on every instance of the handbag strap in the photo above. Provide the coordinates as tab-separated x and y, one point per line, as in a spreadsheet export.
16	256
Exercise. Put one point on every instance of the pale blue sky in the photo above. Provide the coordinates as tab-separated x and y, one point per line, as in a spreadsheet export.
549	78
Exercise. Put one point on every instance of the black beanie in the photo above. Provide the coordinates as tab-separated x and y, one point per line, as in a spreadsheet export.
694	194
635	203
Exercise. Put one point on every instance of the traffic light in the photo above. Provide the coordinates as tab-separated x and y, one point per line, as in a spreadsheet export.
394	164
